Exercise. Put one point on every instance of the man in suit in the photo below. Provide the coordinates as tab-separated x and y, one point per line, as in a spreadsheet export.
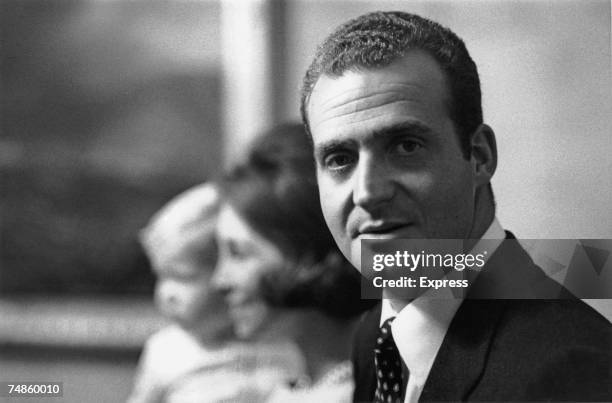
392	102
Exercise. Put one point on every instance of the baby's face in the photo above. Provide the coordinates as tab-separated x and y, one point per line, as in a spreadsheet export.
183	292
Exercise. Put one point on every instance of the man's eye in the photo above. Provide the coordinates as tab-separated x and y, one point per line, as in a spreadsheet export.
338	160
407	147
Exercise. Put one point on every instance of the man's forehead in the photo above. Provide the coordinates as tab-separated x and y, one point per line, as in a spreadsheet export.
357	92
341	102
413	87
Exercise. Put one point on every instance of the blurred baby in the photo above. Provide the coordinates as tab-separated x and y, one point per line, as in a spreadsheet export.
196	358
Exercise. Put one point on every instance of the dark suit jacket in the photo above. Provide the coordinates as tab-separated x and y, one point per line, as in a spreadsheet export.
509	349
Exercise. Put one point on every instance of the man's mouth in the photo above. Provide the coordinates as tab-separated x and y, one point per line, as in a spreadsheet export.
383	230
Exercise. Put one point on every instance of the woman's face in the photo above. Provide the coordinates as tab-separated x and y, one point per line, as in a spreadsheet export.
245	256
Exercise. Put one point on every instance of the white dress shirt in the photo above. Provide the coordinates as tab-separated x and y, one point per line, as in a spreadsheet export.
420	326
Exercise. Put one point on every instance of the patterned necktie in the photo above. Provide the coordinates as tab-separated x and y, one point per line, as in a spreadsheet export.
388	364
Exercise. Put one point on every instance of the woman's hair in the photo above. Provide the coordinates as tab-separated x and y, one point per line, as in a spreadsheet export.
275	191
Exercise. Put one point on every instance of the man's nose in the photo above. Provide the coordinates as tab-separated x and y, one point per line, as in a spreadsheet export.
372	184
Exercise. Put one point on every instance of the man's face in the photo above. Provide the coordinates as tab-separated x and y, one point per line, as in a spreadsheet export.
389	163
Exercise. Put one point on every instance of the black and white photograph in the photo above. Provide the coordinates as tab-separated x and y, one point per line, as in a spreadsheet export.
295	201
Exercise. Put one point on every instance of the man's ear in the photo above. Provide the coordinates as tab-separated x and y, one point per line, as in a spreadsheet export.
483	154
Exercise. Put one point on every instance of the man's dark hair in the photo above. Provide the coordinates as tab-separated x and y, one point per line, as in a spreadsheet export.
377	39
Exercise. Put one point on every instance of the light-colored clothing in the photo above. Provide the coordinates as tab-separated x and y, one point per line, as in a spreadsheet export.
336	386
419	328
175	367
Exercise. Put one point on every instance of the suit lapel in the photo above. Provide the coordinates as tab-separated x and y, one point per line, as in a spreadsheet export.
509	274
462	357
363	356
461	360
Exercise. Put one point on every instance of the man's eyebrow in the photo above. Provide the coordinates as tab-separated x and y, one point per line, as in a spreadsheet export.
410	127
329	146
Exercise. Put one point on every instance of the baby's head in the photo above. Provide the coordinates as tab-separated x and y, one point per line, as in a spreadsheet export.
180	243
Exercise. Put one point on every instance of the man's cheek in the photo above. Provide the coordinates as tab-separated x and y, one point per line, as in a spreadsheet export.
336	225
354	255
330	205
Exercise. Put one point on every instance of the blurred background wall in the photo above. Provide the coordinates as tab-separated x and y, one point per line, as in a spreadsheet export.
108	108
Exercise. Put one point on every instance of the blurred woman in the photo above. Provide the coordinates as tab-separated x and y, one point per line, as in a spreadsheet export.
279	267
196	358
